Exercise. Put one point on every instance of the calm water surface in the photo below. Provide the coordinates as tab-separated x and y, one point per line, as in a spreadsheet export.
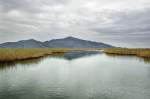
96	76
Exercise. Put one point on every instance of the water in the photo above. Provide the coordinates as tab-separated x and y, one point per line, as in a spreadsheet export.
88	76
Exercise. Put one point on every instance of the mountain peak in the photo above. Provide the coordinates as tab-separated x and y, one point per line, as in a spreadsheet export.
29	40
70	37
68	42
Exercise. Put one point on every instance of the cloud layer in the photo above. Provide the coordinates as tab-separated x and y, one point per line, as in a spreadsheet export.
118	22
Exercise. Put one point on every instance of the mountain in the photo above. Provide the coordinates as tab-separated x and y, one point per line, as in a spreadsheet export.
68	42
31	43
71	42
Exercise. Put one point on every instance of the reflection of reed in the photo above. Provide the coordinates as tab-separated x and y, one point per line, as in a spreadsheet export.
26	62
5	65
27	53
145	60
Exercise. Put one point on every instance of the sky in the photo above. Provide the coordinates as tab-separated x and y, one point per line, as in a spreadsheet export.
122	23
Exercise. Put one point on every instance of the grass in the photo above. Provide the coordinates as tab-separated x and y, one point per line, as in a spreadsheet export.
27	53
126	51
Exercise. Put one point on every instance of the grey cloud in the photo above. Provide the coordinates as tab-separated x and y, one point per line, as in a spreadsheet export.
32	6
97	20
127	22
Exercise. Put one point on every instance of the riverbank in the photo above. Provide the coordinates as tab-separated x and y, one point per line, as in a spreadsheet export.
126	51
13	54
27	53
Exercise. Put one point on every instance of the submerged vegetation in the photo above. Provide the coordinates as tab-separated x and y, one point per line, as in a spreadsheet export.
125	51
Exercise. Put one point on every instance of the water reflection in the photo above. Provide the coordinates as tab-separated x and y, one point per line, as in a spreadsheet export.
27	62
142	59
69	56
78	54
6	65
90	76
146	60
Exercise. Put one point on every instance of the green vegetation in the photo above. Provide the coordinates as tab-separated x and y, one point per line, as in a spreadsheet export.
126	51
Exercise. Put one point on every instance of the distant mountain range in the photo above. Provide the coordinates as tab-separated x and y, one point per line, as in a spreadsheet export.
68	42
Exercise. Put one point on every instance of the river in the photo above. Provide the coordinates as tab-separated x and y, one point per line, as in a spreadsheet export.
76	75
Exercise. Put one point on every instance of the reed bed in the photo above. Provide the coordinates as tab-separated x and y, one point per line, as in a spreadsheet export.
12	54
126	51
26	53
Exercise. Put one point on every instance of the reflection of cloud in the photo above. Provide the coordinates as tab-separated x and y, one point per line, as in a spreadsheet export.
47	19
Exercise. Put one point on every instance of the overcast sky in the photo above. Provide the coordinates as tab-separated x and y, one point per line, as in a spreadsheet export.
123	23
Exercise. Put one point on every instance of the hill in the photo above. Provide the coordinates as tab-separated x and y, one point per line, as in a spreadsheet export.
68	42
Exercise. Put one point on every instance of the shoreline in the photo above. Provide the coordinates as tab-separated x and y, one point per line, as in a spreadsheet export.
16	54
145	53
10	55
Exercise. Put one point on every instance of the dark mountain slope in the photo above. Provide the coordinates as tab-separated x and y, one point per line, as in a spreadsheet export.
31	43
71	42
68	42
